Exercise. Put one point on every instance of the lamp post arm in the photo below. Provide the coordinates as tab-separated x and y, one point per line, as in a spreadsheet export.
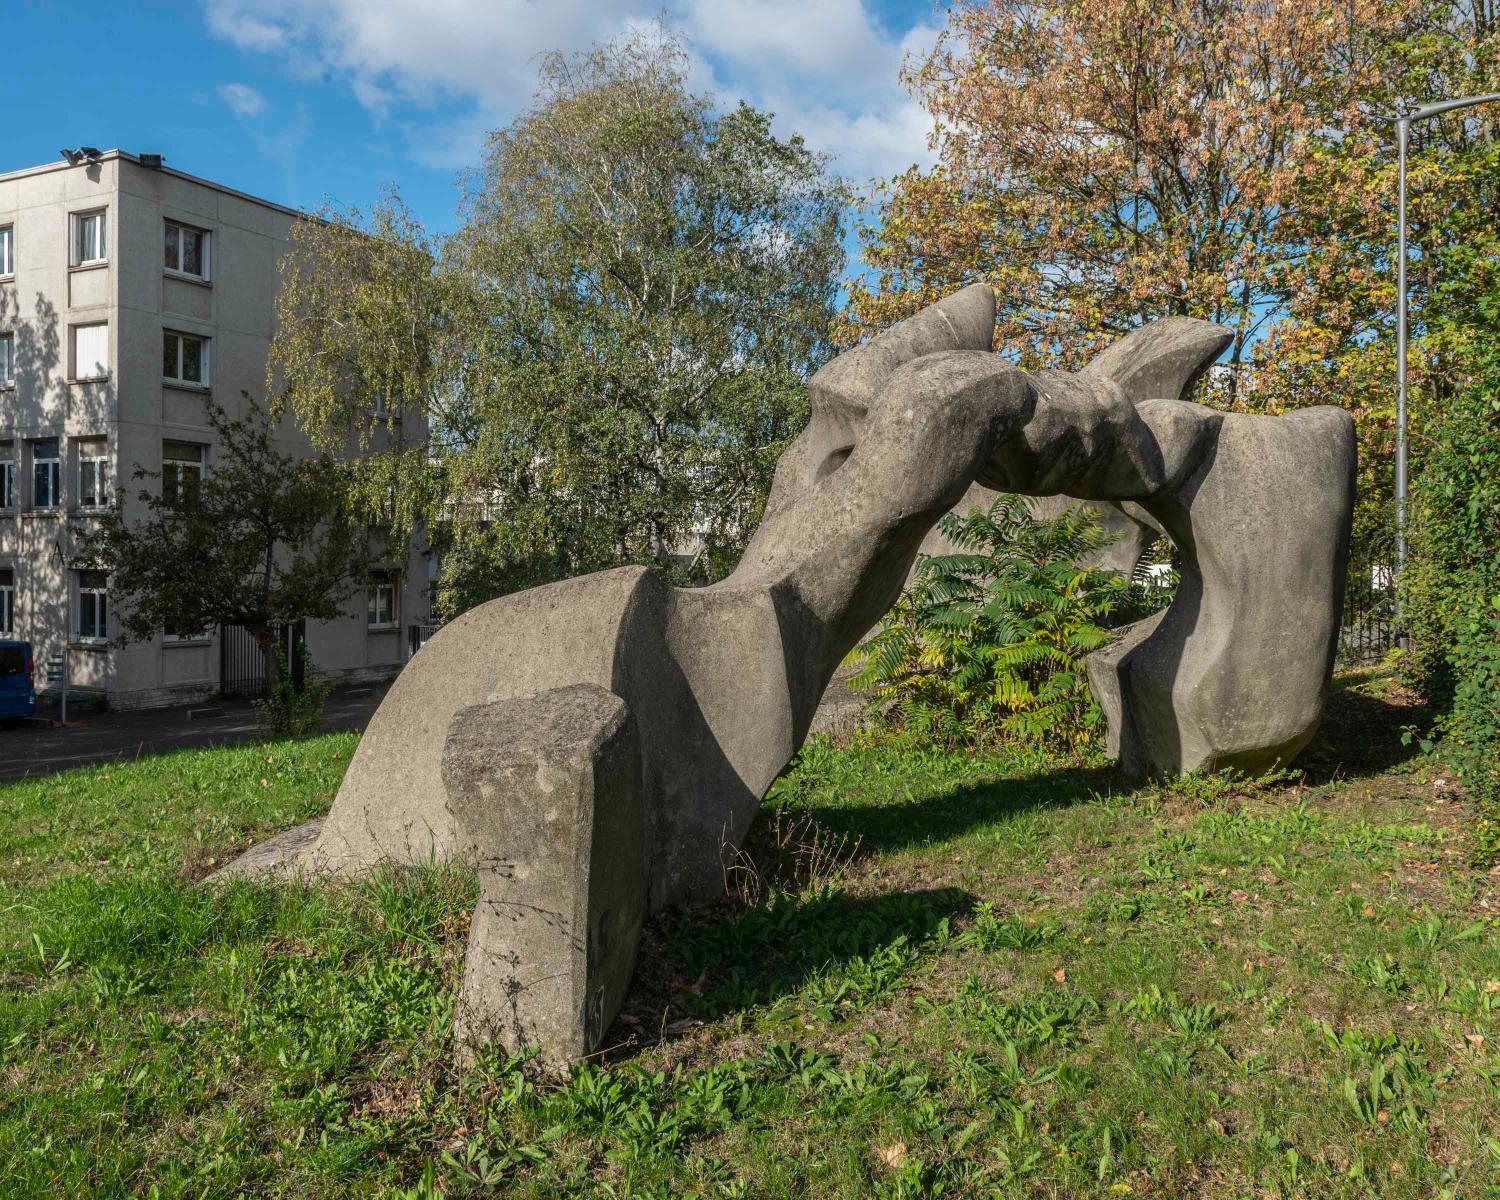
1442	106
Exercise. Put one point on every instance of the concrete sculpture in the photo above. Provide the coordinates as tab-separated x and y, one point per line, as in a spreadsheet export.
597	746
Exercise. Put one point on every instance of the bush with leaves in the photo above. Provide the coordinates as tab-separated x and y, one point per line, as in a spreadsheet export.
1452	583
988	643
291	711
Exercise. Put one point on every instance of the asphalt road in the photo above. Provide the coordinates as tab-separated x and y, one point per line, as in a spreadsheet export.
102	737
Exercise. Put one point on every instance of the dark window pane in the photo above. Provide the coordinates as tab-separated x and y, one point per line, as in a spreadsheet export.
169	356
171	259
192	360
192	252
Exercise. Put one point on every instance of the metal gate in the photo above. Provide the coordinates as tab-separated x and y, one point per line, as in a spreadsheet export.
1370	629
242	668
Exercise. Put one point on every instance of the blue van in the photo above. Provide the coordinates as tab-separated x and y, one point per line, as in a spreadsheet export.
17	688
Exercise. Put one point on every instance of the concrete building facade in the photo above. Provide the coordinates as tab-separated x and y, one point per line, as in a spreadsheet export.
130	293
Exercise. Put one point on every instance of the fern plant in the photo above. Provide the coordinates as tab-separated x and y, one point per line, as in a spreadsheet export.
989	641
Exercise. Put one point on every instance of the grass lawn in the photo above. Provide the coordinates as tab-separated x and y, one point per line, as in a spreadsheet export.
1026	981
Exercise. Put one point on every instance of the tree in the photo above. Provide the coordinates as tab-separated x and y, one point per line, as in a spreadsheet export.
262	540
1106	162
610	353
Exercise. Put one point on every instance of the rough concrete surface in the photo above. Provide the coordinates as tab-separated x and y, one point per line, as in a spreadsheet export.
548	793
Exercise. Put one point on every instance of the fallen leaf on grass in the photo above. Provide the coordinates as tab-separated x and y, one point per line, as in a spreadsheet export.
1060	975
893	1155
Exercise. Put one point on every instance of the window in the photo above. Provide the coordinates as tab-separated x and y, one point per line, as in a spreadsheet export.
186	251
90	244
181	470
381	610
7	360
7	249
90	351
93	474
7	601
7	475
387	405
93	606
184	359
46	478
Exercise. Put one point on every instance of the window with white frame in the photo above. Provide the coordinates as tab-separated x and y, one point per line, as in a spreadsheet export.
93	473
93	607
90	237
186	251
7	249
91	351
46	474
7	360
7	600
184	359
380	611
181	470
7	475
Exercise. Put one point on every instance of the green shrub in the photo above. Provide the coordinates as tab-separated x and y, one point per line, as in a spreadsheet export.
1452	583
989	642
289	711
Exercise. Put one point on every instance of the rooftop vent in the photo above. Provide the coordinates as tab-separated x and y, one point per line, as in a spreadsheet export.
153	161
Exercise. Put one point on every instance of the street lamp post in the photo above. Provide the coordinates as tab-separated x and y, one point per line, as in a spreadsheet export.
1403	129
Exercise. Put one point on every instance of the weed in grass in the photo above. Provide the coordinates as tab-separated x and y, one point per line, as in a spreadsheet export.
1433	933
789	851
990	932
1381	971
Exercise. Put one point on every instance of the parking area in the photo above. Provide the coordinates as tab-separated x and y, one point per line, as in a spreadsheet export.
102	737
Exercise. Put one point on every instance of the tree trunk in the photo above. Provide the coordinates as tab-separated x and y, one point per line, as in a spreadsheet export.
267	640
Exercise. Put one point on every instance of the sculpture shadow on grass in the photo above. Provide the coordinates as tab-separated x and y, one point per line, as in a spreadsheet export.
1361	734
709	963
960	810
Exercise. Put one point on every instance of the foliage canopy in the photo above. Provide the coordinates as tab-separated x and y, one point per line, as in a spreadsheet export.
602	364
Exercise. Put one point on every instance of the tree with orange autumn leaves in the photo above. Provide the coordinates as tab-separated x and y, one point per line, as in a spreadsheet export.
1105	162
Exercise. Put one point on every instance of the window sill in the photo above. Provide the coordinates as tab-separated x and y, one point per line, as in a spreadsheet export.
90	379
89	510
9	277
183	277
392	628
7	387
201	389
50	514
172	643
92	265
78	643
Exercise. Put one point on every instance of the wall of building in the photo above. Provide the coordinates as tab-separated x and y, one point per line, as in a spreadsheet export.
135	410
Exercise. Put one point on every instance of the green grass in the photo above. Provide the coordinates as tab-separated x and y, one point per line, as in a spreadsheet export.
1025	982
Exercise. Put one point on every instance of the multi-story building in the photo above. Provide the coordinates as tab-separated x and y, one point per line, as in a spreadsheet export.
130	293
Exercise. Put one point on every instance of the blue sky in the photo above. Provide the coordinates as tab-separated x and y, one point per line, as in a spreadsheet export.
295	100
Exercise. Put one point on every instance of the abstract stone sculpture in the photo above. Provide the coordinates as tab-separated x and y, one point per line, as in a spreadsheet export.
597	747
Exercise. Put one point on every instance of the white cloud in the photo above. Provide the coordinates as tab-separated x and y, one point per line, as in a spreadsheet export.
242	99
826	67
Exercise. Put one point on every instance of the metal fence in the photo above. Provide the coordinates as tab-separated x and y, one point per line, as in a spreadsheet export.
416	637
1370	629
242	667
